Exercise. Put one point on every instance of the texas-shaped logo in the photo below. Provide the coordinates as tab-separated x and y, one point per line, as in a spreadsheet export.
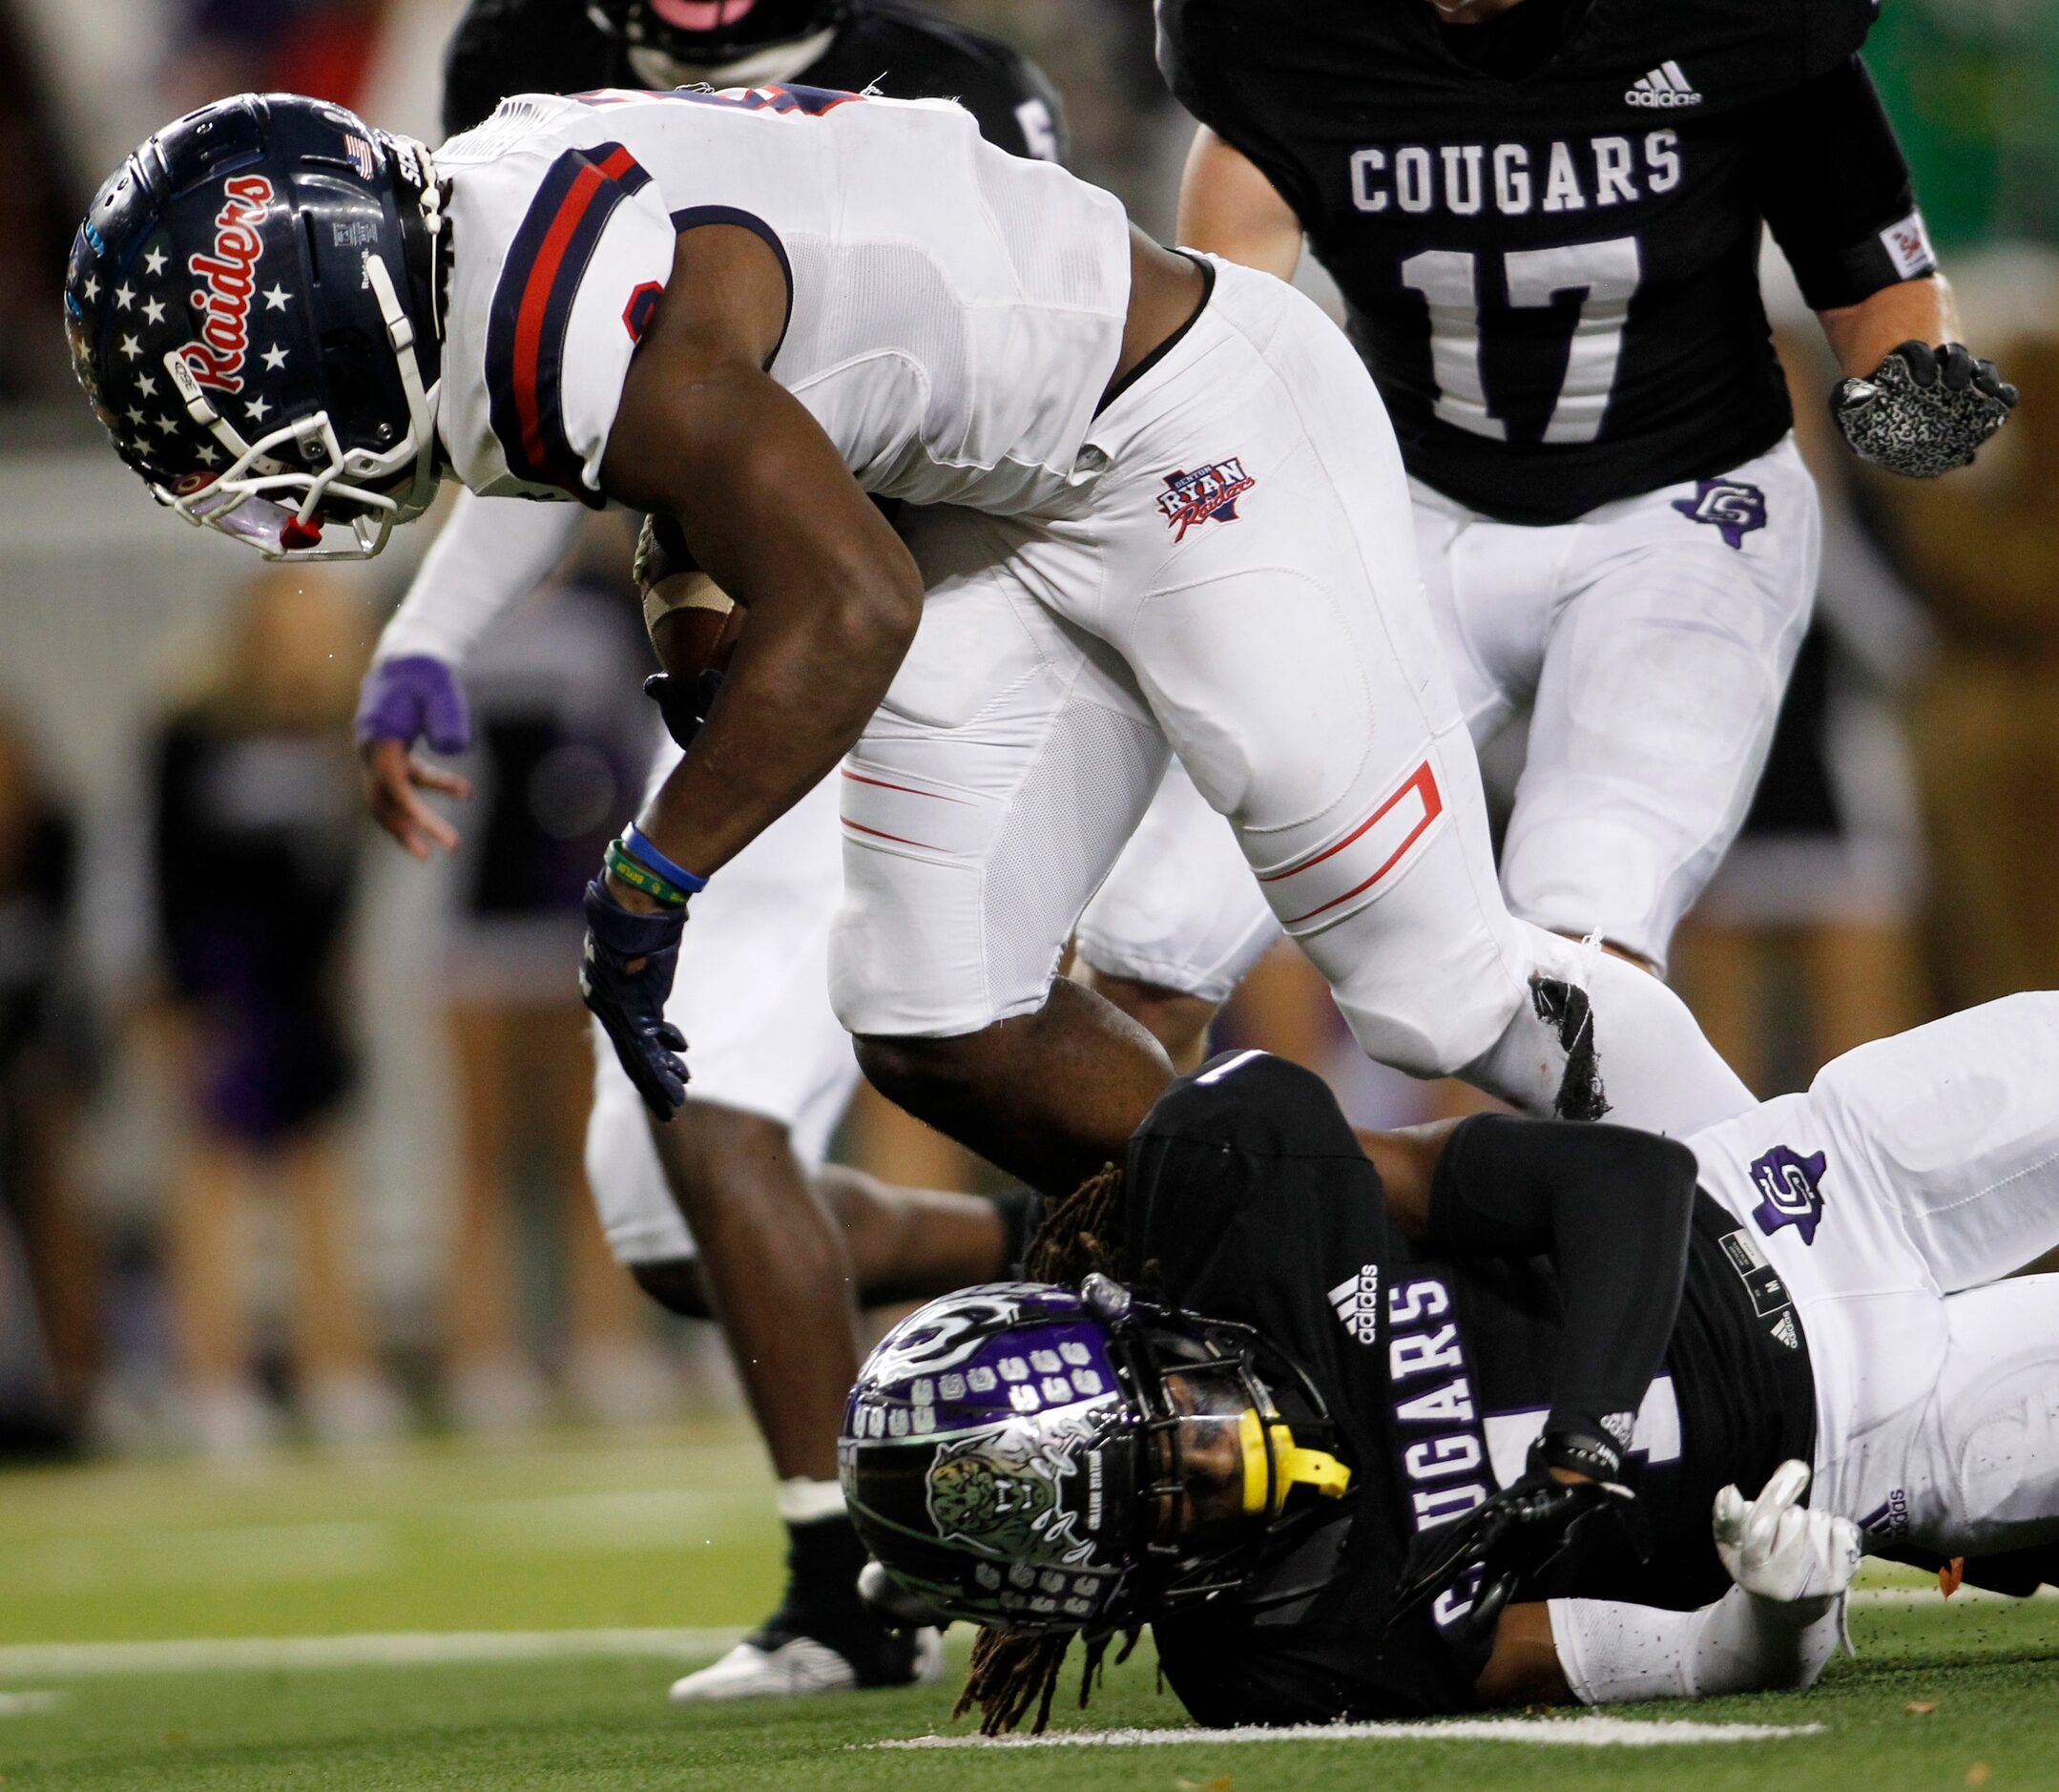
1727	505
1790	1192
1206	491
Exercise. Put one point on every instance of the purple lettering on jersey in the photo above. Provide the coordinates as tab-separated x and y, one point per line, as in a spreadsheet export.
1790	1191
1728	505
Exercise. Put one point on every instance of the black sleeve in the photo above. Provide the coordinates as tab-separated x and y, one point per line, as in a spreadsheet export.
1831	30
1610	1208
1202	44
503	47
1836	190
1019	109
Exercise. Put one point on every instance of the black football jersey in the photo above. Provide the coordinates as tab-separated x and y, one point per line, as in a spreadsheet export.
504	47
1554	277
1247	1198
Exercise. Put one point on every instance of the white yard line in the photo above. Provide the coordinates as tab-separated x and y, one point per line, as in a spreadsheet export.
28	1705
208	1655
1564	1731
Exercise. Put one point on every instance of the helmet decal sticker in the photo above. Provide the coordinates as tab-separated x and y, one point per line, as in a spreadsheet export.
943	1336
228	276
1001	1491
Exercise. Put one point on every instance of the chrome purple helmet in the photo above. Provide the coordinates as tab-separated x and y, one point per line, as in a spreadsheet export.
1028	1457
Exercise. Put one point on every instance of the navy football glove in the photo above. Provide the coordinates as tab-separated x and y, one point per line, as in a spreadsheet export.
630	1005
1922	411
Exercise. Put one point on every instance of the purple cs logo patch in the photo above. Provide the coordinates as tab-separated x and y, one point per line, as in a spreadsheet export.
1207	491
1725	504
1790	1192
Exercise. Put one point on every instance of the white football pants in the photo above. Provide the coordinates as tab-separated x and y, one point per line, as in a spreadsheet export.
1239	586
1937	1381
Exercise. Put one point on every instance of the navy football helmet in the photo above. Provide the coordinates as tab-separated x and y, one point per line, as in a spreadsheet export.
703	35
1033	1458
254	312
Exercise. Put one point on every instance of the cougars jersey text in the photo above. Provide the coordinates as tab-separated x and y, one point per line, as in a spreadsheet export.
1554	277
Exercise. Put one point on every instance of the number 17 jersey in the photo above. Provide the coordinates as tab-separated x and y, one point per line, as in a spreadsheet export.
1553	279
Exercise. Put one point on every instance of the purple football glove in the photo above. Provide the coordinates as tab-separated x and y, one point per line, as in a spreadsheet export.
414	698
630	1005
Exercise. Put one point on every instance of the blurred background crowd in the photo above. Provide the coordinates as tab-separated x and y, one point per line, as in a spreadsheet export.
290	1125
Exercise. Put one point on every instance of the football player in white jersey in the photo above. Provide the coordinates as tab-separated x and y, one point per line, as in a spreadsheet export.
741	1165
1172	521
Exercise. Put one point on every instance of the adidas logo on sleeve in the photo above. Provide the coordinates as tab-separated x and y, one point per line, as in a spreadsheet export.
1664	87
1356	1300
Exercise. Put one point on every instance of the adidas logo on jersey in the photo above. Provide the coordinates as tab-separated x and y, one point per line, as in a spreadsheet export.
1664	85
1356	1302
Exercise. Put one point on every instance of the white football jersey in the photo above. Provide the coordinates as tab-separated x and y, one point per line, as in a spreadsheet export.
955	312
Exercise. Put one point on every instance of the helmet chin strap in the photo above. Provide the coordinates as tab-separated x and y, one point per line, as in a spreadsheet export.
1274	1465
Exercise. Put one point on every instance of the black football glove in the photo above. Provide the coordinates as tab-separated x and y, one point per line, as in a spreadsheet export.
684	702
1508	1539
1922	411
630	1005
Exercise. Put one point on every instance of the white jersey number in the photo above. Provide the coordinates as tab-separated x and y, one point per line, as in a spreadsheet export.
1039	129
1604	273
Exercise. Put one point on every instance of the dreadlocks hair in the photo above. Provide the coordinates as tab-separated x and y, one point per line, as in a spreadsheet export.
1013	1670
1074	1240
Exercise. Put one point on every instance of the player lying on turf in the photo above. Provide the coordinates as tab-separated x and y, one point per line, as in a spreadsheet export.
1411	1422
1171	518
728	1211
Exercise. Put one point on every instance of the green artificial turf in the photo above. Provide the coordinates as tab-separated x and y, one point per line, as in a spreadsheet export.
671	1530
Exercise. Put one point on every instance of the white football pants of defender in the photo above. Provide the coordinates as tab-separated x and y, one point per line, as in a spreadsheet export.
1237	585
752	997
1937	1381
1652	638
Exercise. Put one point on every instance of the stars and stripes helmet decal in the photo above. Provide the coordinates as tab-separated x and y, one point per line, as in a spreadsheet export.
252	308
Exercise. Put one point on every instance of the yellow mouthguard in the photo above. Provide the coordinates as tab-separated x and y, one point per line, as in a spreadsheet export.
1289	1463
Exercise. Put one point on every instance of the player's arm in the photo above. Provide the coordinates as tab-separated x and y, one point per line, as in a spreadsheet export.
1610	1208
1228	207
489	554
773	517
1609	1205
1777	1627
1838	200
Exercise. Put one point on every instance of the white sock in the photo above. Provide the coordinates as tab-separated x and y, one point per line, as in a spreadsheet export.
1657	1071
803	1501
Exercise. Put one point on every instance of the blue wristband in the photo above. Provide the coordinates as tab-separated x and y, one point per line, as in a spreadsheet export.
641	849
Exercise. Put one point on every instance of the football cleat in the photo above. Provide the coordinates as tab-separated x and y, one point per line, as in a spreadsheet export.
784	1664
252	312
